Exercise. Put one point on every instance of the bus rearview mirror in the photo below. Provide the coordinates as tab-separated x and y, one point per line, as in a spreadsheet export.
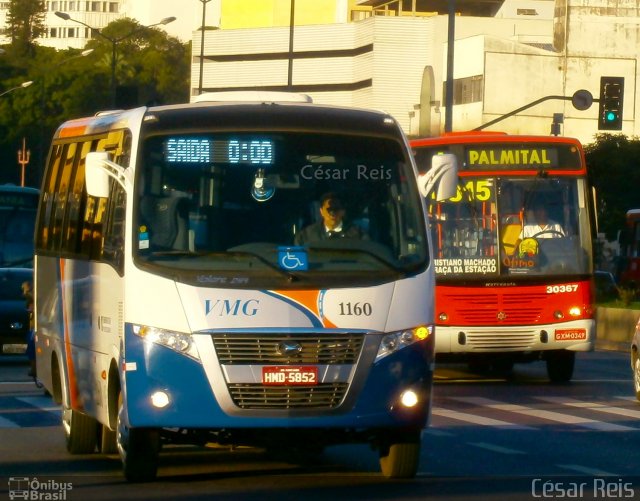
96	177
442	178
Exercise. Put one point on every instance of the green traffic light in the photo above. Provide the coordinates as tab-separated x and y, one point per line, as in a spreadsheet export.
611	116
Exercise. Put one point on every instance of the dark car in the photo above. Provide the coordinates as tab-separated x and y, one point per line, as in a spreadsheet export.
606	287
14	317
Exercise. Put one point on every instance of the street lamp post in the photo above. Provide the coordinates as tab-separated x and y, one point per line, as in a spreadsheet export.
21	86
204	12
114	42
292	15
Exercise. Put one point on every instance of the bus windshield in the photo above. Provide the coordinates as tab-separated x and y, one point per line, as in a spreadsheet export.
17	221
229	208
501	226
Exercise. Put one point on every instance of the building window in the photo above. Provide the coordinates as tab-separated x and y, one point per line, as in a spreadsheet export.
465	90
526	12
53	33
113	7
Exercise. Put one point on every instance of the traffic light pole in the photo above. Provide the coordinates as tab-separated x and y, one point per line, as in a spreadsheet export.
581	100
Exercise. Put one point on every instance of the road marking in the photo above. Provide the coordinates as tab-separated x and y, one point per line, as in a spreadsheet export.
7	423
496	448
39	403
475	419
587	471
557	417
437	433
626	397
594	406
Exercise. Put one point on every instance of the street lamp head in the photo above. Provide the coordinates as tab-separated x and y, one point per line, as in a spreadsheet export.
168	20
26	84
86	52
62	15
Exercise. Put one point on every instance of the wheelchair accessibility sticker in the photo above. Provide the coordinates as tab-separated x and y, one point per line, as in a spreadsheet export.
293	258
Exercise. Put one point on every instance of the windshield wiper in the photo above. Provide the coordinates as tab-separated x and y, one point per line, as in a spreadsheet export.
289	276
386	263
182	253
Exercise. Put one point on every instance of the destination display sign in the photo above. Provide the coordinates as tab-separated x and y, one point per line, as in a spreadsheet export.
518	156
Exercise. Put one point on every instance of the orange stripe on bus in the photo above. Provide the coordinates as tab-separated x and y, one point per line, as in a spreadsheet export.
71	373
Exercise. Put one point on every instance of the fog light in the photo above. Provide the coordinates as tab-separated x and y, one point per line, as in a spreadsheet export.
443	317
558	315
575	311
409	398
160	399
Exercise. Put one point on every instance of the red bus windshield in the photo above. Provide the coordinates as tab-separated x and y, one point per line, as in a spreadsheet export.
521	210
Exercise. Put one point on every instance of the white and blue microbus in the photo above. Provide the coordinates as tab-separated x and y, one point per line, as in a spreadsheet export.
175	302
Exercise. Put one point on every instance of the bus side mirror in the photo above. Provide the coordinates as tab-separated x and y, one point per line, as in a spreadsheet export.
442	178
98	169
96	177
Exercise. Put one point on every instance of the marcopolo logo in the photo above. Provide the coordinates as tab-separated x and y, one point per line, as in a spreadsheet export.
35	489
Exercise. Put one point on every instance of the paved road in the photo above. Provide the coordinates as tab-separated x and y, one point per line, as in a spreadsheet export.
490	438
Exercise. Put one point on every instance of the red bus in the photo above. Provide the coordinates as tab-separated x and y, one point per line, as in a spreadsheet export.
631	250
513	252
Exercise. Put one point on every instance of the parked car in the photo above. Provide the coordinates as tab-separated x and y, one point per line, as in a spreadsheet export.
606	286
14	317
635	360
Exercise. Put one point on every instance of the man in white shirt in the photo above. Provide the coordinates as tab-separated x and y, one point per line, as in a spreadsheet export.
543	227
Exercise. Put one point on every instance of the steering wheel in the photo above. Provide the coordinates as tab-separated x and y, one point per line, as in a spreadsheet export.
553	232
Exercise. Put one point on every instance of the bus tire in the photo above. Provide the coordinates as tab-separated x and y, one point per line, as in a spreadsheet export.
635	363
139	449
560	365
80	432
400	459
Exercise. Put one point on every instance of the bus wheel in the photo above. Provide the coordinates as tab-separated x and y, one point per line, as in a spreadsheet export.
80	432
636	374
560	365
138	448
400	457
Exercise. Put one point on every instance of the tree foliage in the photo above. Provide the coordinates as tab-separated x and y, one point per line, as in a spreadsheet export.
614	170
25	23
151	67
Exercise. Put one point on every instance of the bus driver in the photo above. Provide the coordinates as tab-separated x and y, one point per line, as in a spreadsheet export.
542	226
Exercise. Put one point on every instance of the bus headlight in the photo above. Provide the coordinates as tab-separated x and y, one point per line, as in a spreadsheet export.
176	341
397	340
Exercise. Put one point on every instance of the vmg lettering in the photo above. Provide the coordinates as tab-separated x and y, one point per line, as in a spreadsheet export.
228	307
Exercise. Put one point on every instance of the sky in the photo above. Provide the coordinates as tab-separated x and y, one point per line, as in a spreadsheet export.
187	12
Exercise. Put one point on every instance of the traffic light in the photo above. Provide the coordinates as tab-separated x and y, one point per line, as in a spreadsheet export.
611	98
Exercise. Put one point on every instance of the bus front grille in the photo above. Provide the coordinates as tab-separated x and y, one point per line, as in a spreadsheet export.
257	396
312	348
501	340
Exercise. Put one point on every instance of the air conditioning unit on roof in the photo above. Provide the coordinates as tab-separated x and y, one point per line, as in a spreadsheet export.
253	96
